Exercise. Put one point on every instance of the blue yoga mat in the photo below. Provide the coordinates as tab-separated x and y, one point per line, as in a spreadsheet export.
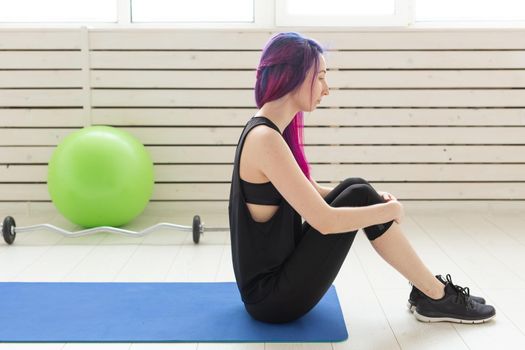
151	312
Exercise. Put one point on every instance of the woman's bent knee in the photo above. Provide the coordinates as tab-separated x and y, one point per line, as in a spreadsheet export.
363	195
356	195
355	180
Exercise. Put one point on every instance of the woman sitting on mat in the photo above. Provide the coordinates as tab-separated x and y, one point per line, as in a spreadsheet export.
282	266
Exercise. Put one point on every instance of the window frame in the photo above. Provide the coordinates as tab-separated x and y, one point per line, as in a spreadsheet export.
268	14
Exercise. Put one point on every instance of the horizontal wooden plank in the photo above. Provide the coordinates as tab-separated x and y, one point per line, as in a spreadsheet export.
233	39
342	135
427	60
173	79
313	136
337	98
249	60
335	79
315	154
244	98
34	117
323	173
330	173
41	59
41	98
174	59
422	39
172	98
427	79
29	117
175	116
380	38
320	117
41	79
177	39
402	191
40	39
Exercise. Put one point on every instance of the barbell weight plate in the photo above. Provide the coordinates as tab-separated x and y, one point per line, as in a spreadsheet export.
196	229
7	230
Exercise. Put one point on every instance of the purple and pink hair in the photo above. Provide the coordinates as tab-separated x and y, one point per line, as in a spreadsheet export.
284	65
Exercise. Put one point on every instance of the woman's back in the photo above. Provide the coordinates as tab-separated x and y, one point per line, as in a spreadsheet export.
249	172
258	248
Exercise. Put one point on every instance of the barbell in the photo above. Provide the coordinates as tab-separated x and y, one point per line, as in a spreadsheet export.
9	229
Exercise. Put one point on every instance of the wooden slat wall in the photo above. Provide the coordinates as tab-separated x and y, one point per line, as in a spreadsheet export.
424	114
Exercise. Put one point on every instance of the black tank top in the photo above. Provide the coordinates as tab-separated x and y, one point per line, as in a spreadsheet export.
258	248
264	193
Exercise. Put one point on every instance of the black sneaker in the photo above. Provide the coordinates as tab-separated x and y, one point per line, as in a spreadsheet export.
415	294
456	306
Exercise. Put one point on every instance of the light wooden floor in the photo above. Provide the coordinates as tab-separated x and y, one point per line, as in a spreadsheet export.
482	250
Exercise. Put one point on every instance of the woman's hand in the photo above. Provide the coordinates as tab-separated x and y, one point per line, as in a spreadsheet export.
400	210
387	196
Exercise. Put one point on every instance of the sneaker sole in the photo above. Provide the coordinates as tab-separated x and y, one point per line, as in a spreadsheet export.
422	318
411	307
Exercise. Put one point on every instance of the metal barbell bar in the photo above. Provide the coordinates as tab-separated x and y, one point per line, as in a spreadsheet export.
9	229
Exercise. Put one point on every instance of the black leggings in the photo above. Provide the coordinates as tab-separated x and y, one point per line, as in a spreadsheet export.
312	267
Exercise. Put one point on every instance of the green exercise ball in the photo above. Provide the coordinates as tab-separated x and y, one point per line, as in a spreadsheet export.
100	176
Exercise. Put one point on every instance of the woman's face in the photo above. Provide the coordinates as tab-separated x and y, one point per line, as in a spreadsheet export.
309	95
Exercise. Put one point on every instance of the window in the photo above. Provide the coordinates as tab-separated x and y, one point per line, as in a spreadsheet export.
192	11
469	10
341	13
340	8
58	11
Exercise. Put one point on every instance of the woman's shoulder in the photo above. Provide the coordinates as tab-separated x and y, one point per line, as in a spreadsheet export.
267	124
